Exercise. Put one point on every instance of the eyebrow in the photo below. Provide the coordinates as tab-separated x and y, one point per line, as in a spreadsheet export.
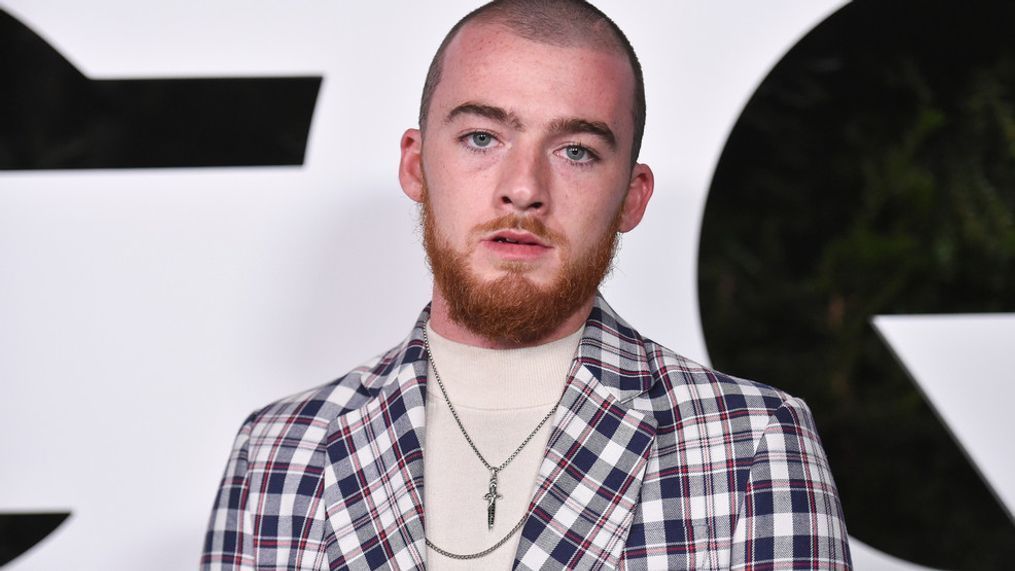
574	126
564	126
489	111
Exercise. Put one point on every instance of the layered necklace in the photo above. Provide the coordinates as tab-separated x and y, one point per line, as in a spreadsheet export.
491	496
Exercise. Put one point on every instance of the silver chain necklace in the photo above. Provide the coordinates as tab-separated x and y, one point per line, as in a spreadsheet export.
491	496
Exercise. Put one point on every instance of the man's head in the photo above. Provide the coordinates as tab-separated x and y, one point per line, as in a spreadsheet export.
573	23
523	166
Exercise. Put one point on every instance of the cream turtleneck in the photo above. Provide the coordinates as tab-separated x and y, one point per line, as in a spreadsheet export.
500	396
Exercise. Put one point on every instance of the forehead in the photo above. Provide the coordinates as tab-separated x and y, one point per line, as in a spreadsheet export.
489	63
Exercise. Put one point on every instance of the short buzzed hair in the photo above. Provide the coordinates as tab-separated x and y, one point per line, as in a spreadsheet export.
555	22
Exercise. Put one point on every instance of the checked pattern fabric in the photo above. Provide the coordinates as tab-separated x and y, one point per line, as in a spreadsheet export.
654	462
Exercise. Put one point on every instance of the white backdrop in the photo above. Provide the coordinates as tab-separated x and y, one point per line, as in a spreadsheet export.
145	313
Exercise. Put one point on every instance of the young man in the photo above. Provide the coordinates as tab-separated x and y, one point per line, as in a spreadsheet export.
523	423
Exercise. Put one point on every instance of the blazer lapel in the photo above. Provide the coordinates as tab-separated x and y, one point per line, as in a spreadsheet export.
591	477
374	491
590	481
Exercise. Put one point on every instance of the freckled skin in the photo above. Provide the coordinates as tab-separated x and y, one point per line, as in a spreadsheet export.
478	168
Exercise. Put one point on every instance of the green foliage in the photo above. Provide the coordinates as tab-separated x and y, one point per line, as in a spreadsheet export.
873	173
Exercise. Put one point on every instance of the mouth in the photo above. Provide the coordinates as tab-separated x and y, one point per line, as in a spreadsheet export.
517	245
518	238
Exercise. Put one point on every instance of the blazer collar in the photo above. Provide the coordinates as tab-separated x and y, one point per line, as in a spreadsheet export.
590	476
614	353
375	504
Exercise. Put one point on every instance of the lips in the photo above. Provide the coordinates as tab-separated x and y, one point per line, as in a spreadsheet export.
516	244
517	237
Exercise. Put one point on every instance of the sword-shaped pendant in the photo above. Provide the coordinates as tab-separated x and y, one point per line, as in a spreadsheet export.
491	498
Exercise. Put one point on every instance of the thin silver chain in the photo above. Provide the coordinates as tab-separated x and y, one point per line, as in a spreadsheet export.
458	421
484	552
493	469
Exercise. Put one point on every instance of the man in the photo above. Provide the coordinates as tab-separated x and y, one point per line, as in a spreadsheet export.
523	423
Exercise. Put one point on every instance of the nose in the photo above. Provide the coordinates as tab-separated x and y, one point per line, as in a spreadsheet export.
523	184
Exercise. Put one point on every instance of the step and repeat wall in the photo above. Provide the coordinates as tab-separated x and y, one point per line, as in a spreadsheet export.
200	213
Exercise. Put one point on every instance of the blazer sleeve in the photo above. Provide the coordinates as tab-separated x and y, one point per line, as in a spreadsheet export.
228	543
790	516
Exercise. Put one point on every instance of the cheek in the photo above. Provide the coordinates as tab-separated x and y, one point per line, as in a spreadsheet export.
587	211
451	220
459	202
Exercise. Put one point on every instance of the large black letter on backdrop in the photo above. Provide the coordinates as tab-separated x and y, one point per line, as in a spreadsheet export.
53	117
19	532
873	172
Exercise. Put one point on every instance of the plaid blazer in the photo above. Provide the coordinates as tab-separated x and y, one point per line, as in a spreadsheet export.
654	462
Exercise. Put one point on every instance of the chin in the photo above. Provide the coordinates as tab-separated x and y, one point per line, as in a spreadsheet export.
540	278
538	271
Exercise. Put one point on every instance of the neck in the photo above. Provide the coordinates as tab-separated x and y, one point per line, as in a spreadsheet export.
441	322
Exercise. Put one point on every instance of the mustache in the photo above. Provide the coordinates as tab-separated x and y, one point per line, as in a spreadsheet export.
529	224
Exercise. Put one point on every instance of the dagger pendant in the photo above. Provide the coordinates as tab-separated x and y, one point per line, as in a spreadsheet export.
491	498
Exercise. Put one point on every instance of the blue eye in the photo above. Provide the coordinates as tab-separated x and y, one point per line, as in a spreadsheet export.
480	139
577	153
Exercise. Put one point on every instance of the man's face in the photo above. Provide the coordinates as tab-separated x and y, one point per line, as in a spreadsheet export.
527	163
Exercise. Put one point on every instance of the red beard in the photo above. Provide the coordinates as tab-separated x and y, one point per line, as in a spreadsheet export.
511	309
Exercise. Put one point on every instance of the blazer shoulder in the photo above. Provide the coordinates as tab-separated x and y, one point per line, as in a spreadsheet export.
319	406
700	392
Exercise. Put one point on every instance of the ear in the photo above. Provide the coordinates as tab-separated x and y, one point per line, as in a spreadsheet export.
410	168
639	191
